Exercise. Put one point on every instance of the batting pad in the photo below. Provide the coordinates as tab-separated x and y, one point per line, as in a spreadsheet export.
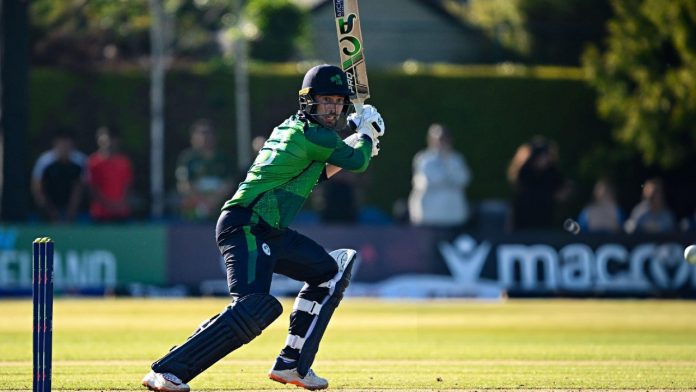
322	311
238	324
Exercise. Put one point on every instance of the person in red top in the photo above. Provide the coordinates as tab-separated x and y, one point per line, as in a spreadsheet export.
109	175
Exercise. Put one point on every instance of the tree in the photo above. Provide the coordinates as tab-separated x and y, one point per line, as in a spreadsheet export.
78	33
282	25
646	78
81	33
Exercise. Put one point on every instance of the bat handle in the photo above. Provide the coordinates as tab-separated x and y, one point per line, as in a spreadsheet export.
358	104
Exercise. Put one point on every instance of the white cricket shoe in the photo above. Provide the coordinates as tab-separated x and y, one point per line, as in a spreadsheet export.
290	376
164	382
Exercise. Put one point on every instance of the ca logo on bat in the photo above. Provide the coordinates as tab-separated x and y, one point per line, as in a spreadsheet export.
350	47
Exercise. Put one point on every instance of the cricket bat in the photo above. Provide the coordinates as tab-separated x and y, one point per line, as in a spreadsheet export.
351	49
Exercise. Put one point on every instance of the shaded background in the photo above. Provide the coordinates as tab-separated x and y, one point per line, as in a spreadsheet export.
510	70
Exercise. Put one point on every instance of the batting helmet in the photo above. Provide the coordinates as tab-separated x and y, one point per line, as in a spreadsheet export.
324	79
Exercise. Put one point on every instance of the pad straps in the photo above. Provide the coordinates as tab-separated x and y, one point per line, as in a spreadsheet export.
307	306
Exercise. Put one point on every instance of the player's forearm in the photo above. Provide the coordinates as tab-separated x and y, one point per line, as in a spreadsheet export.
354	158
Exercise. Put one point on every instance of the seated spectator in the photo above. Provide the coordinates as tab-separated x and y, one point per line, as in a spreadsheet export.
651	215
603	213
440	176
204	175
57	180
109	177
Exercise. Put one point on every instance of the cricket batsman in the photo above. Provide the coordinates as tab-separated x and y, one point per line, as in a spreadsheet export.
254	239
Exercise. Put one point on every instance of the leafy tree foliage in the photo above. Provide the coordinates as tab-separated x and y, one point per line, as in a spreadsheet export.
78	32
82	33
646	78
282	25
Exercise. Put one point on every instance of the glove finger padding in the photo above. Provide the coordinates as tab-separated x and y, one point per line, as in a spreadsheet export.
369	122
371	117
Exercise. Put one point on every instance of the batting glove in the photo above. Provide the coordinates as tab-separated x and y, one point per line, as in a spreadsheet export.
368	122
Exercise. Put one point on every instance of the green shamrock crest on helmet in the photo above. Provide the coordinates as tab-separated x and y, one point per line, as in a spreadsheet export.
336	79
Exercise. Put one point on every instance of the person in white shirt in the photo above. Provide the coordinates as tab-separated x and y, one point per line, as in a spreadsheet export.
440	176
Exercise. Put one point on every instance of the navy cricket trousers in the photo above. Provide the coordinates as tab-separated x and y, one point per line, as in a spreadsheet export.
253	251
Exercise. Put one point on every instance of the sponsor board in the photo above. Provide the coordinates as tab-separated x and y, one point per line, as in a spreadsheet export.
590	266
87	259
530	264
393	262
420	263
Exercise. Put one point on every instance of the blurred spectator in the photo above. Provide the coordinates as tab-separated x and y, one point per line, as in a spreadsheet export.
688	223
109	176
537	184
440	175
57	180
204	175
651	215
603	213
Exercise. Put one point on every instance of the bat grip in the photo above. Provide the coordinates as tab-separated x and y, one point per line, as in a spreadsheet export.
358	104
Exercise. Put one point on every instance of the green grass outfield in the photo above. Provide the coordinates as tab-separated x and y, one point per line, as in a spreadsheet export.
107	345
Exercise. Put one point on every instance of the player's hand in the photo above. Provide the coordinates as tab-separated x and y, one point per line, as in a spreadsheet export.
368	122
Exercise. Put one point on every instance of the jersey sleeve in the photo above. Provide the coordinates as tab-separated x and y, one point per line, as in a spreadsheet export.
354	158
326	146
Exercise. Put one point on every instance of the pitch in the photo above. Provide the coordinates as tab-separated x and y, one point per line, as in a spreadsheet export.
107	345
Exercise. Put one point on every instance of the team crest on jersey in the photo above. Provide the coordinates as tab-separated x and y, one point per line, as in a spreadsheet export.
266	249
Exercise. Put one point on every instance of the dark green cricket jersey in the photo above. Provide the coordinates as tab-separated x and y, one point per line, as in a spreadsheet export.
289	166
